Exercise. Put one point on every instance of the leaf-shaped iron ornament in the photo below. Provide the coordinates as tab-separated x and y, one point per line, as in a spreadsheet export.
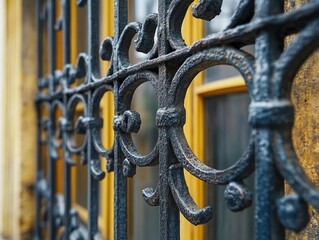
81	3
144	42
243	14
207	9
184	201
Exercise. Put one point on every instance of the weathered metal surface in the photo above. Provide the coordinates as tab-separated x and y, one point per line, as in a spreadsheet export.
170	68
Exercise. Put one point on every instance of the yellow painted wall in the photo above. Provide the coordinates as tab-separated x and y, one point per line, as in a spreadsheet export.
18	120
305	98
2	81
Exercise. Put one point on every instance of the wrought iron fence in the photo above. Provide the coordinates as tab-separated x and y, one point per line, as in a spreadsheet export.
170	67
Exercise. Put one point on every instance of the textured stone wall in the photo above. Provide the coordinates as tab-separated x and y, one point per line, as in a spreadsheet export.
305	97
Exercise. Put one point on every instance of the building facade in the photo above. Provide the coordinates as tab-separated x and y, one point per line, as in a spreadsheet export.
216	128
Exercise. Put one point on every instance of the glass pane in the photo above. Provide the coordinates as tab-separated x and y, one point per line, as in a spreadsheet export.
218	24
220	72
81	30
142	8
138	11
144	219
81	183
145	103
81	40
143	222
226	137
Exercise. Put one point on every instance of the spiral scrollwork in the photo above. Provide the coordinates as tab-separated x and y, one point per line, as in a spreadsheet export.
130	121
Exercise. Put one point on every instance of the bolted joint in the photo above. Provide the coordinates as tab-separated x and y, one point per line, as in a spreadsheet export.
293	212
271	114
81	3
83	123
129	169
69	73
129	122
110	161
171	117
64	126
58	25
43	83
42	187
53	153
207	10
59	210
96	171
237	196
80	70
83	155
106	49
74	219
46	124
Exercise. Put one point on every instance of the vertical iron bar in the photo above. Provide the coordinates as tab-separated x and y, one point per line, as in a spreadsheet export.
52	43
39	39
67	187
51	170
66	31
93	198
66	165
94	36
39	175
52	177
93	46
38	157
120	194
269	184
169	213
120	182
120	19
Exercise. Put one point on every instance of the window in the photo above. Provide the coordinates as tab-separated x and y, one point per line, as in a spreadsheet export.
218	102
143	220
79	172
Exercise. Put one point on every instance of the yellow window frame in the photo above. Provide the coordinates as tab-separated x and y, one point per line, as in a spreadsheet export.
194	130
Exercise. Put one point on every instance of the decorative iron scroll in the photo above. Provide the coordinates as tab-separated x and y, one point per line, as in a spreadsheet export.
170	67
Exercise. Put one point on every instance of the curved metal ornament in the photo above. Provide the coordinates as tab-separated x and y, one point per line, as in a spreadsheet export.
170	67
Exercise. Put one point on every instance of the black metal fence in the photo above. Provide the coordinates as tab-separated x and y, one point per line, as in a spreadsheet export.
170	68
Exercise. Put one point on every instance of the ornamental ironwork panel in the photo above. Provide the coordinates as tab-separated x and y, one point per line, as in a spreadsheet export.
170	67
